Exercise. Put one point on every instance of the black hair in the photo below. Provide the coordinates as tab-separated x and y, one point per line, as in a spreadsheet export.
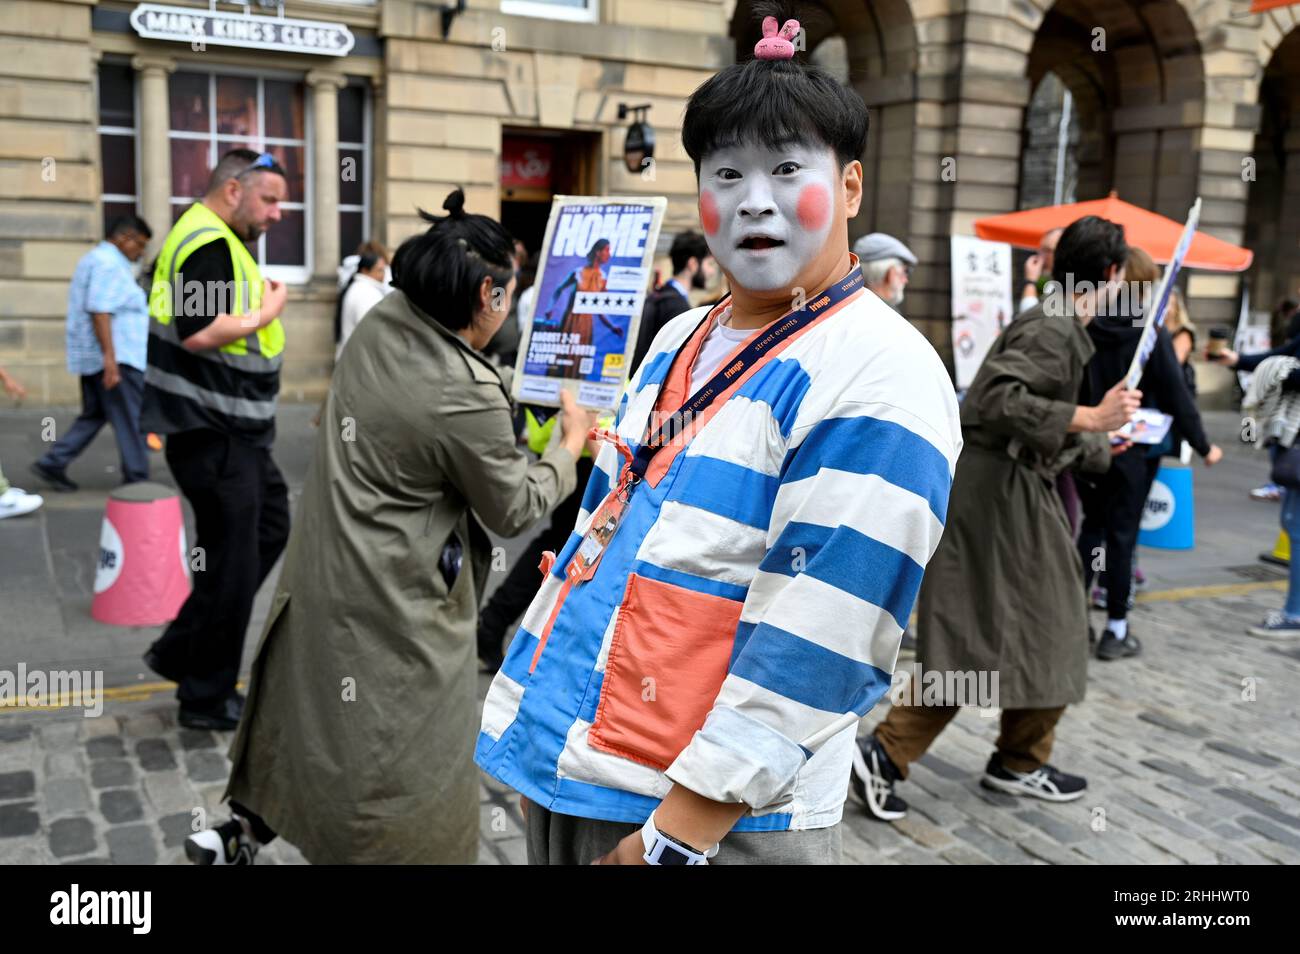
238	164
441	269
595	250
365	262
686	246
774	102
1087	248
128	223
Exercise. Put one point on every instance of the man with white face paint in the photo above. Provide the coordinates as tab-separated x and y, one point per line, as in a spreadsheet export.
687	684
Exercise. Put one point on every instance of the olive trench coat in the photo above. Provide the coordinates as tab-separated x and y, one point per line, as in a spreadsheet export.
358	734
1004	590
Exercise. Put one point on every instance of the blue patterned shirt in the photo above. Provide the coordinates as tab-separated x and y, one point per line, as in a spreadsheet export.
103	282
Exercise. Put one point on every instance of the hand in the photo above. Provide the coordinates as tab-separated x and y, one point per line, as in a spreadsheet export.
629	851
13	387
575	422
1226	357
1033	268
1123	445
274	295
112	376
523	807
1116	408
1214	456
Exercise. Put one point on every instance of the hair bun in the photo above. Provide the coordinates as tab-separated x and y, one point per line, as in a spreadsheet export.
455	204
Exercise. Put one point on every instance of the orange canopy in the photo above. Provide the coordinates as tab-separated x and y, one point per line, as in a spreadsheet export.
1259	6
1154	234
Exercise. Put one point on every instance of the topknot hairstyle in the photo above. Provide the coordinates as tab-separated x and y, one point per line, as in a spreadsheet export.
774	102
441	269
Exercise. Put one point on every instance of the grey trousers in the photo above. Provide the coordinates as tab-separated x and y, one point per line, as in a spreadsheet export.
555	839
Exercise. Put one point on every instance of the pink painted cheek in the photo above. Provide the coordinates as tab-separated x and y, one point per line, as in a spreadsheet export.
709	213
814	207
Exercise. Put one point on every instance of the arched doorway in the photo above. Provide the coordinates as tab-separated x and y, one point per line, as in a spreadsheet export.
1273	209
1136	82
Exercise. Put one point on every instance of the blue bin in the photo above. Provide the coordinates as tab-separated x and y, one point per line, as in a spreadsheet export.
1169	519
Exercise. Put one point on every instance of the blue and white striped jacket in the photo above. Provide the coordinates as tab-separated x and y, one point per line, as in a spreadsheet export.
748	610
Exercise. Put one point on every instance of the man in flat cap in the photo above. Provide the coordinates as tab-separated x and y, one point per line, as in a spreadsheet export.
886	265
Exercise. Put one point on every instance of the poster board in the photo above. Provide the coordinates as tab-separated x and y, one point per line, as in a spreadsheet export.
981	301
1155	317
592	279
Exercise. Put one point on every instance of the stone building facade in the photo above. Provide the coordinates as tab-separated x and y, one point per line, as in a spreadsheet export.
1173	99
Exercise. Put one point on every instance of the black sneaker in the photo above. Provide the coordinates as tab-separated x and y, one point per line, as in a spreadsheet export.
1045	783
1112	647
223	717
873	778
55	478
226	844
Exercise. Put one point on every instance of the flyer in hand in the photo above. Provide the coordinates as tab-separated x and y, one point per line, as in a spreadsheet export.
592	280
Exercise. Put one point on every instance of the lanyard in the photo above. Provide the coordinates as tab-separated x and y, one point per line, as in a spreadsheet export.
657	438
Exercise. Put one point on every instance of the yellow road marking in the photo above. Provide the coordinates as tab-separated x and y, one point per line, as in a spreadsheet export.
138	692
1210	591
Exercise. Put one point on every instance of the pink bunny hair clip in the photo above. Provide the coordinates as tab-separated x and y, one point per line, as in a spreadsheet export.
774	45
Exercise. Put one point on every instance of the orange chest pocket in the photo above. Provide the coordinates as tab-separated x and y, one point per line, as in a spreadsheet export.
667	660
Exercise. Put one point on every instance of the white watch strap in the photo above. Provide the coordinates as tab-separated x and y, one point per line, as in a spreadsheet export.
655	844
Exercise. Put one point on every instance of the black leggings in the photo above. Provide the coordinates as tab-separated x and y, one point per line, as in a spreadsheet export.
1112	515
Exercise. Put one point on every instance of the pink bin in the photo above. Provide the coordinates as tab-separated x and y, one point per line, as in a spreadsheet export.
142	575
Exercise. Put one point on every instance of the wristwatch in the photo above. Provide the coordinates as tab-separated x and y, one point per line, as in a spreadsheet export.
661	849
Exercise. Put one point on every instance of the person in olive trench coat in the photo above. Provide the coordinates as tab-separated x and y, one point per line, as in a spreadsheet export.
357	739
1004	590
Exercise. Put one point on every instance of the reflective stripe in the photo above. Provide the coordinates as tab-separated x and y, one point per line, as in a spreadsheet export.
243	362
224	403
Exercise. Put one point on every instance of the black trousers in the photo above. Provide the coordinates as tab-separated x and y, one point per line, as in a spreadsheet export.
521	584
1112	515
241	509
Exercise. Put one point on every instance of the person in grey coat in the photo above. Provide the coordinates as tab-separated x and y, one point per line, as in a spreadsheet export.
357	738
1002	599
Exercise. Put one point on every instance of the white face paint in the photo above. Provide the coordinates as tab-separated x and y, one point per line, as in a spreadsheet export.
767	211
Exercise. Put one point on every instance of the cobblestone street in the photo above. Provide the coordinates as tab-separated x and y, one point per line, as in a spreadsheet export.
1191	750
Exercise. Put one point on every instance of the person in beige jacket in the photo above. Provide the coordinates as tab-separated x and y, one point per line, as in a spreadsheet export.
357	738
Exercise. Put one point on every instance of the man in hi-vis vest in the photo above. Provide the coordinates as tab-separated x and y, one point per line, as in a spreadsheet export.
215	347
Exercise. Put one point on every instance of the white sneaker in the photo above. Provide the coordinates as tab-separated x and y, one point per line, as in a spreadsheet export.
15	502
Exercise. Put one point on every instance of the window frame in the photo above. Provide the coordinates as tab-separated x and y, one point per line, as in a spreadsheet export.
133	131
548	11
290	274
367	161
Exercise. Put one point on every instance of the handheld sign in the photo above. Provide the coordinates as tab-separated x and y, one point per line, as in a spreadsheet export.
1155	316
591	284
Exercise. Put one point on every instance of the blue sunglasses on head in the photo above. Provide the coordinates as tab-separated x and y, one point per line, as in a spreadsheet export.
264	161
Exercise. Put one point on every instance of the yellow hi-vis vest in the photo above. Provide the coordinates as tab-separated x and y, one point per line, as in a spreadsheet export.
538	435
258	351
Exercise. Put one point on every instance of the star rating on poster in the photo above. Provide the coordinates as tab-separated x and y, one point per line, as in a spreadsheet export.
606	302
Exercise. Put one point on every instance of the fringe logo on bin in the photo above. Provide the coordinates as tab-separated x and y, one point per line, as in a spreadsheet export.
1159	509
109	565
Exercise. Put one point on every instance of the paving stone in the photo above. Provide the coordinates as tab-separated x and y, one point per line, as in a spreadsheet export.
999	849
923	833
1173	725
131	845
1062	830
176	828
1237	752
55	735
16	785
105	747
1259	806
89	861
111	773
1180	771
15	733
101	727
72	836
194	739
66	764
207	766
170	792
941	767
961	855
155	755
1271	831
515	850
1052	853
63	796
144	725
120	805
18	819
